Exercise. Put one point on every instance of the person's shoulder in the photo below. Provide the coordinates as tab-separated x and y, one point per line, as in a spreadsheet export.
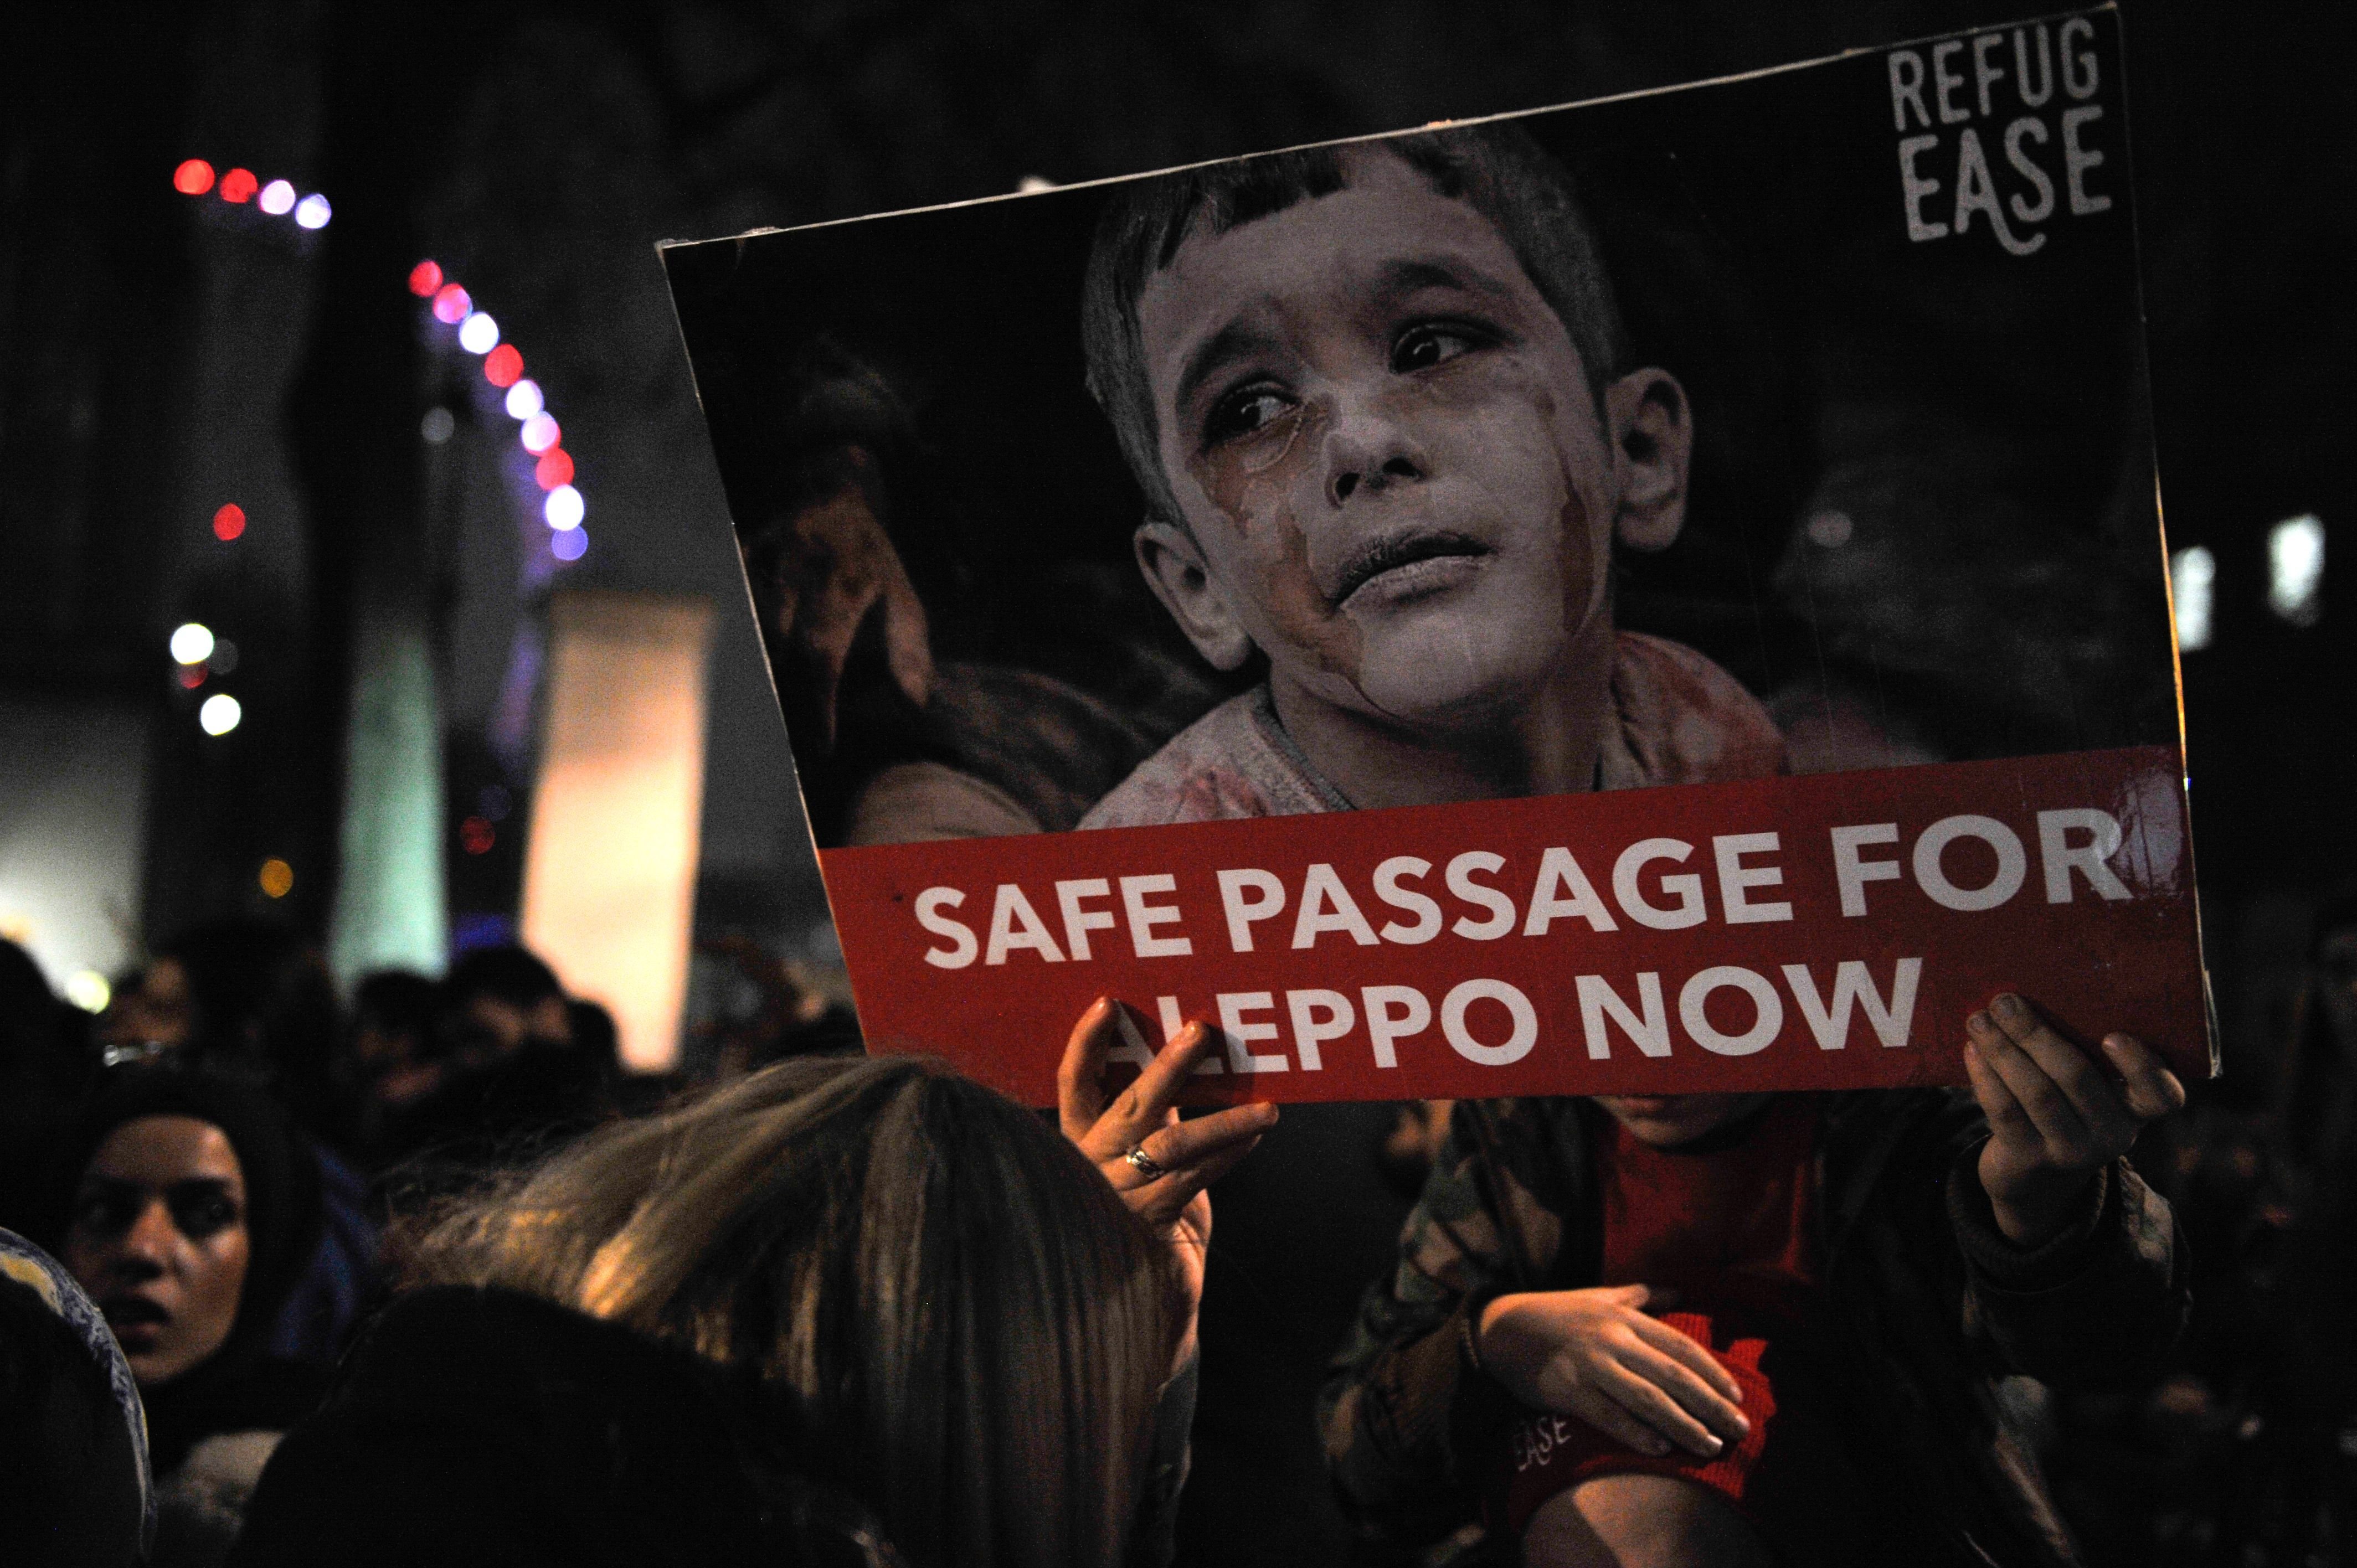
1684	720
1222	766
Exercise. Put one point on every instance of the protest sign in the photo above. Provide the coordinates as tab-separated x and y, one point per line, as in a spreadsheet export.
1655	596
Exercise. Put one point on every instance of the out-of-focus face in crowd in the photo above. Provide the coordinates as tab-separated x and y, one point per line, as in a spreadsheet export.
158	1238
490	1029
160	1010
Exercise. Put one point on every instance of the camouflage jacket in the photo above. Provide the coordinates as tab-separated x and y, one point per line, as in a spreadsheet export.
1939	1308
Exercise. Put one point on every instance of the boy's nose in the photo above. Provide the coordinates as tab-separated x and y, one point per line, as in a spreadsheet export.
1368	455
1350	479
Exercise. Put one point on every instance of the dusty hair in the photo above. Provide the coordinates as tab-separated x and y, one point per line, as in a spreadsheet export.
964	1324
1495	168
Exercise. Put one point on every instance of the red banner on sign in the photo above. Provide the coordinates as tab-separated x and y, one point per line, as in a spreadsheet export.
1820	932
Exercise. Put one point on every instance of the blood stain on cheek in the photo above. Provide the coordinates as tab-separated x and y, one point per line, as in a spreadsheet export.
1576	554
1301	614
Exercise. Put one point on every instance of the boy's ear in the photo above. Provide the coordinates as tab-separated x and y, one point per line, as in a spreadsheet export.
1652	428
1174	568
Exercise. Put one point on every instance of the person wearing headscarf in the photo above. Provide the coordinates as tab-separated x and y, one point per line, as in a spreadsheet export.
187	1208
254	1000
73	1445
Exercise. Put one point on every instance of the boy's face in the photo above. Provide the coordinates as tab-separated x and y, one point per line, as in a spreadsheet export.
1385	449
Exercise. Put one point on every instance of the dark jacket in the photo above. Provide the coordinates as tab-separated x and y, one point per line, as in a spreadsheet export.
485	1427
1937	1304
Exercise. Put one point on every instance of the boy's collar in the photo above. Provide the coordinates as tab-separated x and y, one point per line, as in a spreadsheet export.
1329	793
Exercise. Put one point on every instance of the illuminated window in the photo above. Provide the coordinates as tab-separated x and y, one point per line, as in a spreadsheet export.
2192	574
2296	569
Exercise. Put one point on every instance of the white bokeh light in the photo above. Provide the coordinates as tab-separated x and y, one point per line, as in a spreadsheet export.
563	509
277	197
219	714
313	212
88	990
540	433
192	643
2296	569
2193	579
524	398
479	334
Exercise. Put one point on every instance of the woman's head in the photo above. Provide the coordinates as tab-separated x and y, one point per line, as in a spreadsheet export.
190	1208
246	997
966	1327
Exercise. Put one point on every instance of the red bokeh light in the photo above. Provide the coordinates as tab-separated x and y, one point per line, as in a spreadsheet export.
425	278
475	836
451	303
190	676
229	522
193	177
554	468
502	365
239	185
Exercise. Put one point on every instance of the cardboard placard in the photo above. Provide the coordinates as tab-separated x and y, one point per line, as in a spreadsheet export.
1655	596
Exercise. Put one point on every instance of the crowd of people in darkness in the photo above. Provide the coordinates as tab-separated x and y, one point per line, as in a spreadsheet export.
209	1184
423	1276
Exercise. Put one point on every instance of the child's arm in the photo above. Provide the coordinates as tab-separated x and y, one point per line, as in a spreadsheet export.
1407	1421
1594	1354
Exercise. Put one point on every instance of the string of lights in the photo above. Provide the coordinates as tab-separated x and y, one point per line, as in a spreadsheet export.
562	507
240	185
197	653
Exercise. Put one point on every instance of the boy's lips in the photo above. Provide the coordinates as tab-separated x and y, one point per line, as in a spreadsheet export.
1399	559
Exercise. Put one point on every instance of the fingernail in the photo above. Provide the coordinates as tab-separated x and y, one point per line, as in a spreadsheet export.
1742	1425
1712	1445
1980	1023
2009	1006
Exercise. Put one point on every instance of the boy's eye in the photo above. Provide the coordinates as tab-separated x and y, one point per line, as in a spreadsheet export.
1243	411
1421	348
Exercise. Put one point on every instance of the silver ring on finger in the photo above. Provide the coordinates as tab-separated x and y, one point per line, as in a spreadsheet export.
1146	1164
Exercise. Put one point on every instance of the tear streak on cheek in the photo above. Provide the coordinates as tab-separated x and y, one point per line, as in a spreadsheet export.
1260	462
1251	485
1251	494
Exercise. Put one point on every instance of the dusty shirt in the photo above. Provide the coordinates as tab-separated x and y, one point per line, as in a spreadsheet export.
1677	718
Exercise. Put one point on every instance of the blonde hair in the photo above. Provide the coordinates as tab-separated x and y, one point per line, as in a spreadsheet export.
964	1325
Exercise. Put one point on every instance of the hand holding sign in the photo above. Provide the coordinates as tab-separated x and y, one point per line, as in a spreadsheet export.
1158	1164
1594	1354
2055	1117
